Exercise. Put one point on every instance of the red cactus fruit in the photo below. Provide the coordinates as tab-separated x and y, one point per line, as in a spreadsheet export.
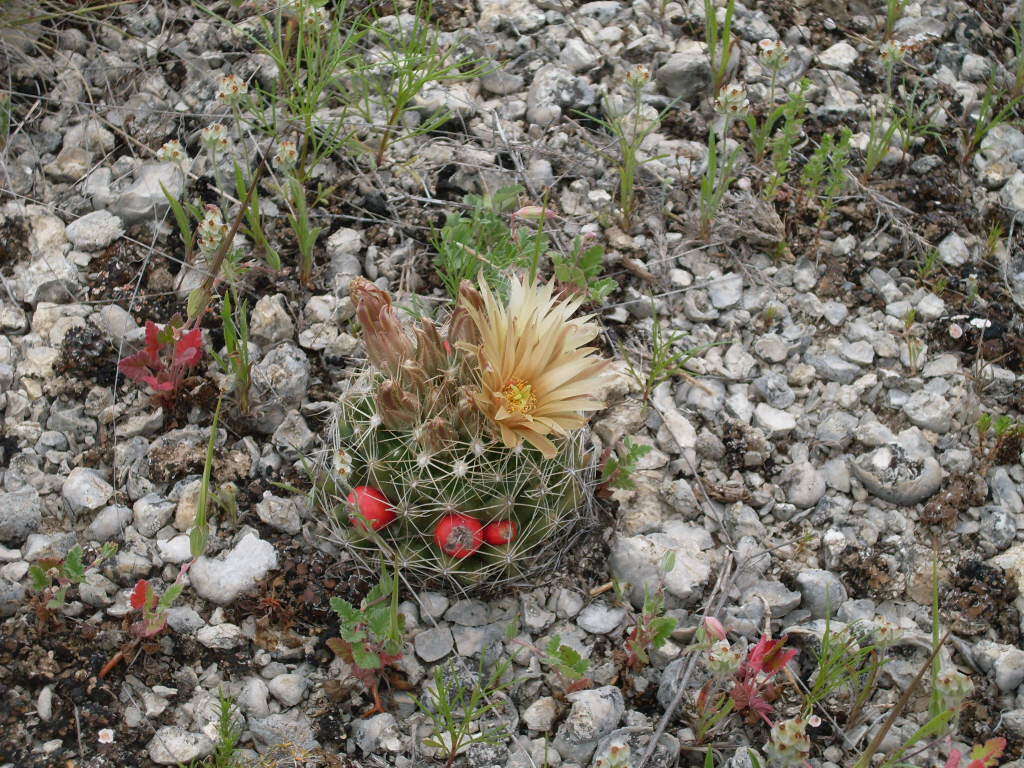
459	535
372	505
501	532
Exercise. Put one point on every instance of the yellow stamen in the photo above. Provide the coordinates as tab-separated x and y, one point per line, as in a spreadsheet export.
519	396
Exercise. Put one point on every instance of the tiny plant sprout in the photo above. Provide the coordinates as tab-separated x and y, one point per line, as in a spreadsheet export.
459	535
372	508
501	532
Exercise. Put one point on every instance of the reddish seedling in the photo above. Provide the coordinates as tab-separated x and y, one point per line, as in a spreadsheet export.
169	353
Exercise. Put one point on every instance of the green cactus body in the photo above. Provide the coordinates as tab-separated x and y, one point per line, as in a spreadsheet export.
428	479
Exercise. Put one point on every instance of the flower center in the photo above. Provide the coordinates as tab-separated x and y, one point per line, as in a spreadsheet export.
519	397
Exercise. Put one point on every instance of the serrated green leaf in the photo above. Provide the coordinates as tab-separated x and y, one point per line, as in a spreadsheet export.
73	568
40	579
662	628
168	597
365	658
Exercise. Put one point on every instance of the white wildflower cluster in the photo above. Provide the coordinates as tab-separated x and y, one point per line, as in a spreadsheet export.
953	687
215	137
211	230
172	152
231	89
732	100
286	156
774	53
788	744
723	661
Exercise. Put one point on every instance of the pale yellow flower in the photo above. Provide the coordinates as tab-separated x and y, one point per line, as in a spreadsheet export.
536	376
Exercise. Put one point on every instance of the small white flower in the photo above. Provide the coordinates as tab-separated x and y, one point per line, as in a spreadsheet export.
286	155
211	230
955	331
774	53
732	100
980	322
215	137
891	53
342	463
171	152
231	89
105	736
814	721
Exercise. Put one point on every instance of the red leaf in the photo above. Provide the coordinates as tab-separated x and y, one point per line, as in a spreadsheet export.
769	656
153	343
985	755
189	349
135	367
954	759
140	595
158	384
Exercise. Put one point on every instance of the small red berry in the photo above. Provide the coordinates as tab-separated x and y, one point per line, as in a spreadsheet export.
459	535
501	532
372	505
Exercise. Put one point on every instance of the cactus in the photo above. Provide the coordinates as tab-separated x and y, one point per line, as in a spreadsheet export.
409	426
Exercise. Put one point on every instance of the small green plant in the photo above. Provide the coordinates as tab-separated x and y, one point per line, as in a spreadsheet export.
370	636
618	469
995	108
482	244
663	362
651	629
783	141
568	662
305	233
229	733
762	132
5	119
993	240
719	41
254	221
630	123
1004	437
719	171
824	175
411	59
581	271
880	136
1018	54
234	319
460	712
53	578
894	10
154	608
914	114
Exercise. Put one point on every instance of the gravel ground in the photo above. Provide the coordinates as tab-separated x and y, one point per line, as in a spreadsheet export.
822	458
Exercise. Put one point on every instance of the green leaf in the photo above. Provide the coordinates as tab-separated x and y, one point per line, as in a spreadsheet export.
40	579
662	628
168	597
57	601
180	217
379	621
195	301
73	568
200	533
365	658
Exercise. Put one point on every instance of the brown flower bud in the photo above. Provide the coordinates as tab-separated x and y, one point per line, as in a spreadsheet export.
387	345
437	433
430	351
461	328
397	409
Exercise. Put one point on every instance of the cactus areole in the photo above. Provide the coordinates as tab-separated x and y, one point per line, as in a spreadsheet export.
373	506
459	535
